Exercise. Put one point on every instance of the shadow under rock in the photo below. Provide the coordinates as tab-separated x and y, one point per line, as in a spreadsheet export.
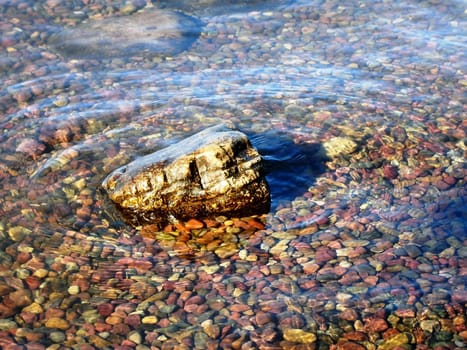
291	168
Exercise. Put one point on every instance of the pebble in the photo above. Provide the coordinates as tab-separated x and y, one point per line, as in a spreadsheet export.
194	224
149	320
226	250
394	342
299	336
18	233
425	268
135	337
211	329
73	290
41	273
34	308
429	326
57	337
262	318
375	325
6	324
58	323
113	320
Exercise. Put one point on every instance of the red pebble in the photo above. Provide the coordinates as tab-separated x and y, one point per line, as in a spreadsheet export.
373	324
390	172
349	345
349	315
262	318
105	309
28	317
324	254
23	257
165	322
256	224
442	185
102	327
355	335
459	296
133	320
32	282
194	224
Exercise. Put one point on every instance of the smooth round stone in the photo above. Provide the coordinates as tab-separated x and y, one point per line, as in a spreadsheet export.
299	336
7	324
57	322
211	329
462	252
135	337
425	268
18	233
34	308
91	316
22	273
412	250
344	251
150	320
200	340
73	290
396	341
355	243
57	337
152	32
429	325
142	347
41	273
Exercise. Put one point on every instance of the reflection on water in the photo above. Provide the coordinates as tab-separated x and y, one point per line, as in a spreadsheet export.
364	249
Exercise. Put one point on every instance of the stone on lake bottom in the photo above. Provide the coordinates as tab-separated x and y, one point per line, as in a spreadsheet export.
58	323
299	336
152	32
397	341
214	172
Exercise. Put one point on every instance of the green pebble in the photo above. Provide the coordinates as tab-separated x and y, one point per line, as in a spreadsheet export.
57	337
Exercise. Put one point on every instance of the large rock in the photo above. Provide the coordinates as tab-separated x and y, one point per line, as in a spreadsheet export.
153	32
214	172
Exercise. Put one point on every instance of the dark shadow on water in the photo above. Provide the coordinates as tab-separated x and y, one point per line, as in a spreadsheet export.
291	168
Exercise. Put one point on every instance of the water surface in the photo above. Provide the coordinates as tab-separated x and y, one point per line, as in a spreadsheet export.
380	230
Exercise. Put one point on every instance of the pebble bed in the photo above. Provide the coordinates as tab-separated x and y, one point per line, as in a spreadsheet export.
373	255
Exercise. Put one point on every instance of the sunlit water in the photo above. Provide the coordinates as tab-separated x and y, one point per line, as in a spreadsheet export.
389	75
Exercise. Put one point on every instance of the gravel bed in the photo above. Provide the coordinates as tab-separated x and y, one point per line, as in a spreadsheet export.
372	254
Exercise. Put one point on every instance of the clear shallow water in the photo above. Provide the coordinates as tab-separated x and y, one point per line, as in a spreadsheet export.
390	76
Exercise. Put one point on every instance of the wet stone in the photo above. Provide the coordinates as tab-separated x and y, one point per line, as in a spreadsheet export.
200	340
135	337
212	330
412	250
6	324
153	32
57	337
429	325
214	172
299	336
149	320
394	342
56	322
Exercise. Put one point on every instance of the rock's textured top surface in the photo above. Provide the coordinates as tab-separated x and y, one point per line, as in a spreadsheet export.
148	33
214	172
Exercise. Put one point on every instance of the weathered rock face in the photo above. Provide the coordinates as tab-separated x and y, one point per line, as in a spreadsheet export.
214	172
153	32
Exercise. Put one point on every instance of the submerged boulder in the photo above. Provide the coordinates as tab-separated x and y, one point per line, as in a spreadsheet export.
214	172
153	32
